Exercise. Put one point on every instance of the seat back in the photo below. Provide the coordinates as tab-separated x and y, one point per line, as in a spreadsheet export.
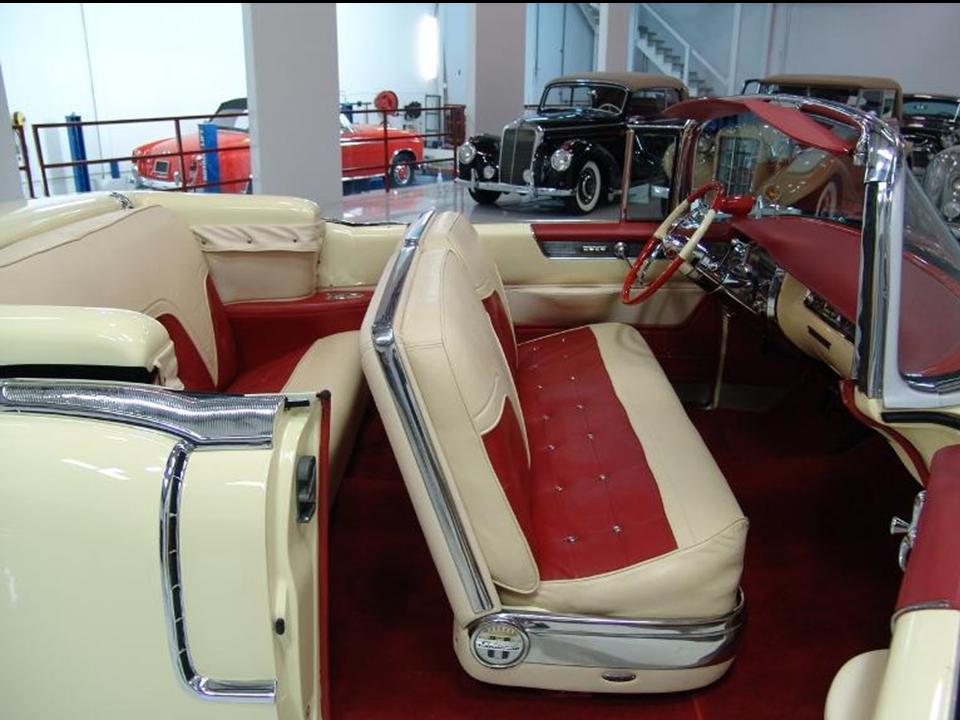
444	388
453	230
145	260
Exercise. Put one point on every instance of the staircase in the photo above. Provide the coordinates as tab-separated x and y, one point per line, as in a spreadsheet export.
670	61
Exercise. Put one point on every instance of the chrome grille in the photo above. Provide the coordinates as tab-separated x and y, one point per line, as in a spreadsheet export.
516	153
736	162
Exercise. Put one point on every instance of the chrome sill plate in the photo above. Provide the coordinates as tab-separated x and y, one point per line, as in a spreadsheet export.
384	342
624	644
202	419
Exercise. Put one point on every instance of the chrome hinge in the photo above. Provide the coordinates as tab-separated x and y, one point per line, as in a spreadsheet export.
125	202
899	526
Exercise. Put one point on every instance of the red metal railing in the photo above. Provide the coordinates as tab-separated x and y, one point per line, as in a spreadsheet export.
23	153
179	153
452	134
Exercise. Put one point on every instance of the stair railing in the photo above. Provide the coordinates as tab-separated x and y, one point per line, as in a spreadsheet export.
727	79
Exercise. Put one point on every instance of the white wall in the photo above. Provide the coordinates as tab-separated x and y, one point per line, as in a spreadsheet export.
110	61
378	50
454	55
291	58
10	188
559	41
915	43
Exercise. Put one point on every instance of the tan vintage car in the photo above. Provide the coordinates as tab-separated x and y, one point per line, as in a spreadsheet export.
878	95
202	515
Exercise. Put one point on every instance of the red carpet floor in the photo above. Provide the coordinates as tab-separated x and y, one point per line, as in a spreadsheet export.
821	578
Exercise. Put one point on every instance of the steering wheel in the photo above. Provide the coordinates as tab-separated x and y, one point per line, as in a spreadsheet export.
656	240
610	107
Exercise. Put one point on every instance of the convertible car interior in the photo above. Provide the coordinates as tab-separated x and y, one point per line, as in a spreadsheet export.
446	470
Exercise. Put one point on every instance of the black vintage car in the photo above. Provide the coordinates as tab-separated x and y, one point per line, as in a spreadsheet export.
573	147
931	123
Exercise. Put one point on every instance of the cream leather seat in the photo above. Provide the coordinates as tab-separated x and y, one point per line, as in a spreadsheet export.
584	534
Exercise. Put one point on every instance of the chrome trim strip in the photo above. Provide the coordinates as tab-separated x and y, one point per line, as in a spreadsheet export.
202	419
518	189
611	643
259	691
149	183
437	486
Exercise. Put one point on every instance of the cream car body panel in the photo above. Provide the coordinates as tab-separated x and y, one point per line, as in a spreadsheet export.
921	674
51	334
84	622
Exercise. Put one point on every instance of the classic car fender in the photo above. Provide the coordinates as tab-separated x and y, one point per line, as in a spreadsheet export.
583	151
88	607
488	153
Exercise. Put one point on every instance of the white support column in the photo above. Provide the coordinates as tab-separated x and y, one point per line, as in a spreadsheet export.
293	91
616	36
495	65
10	188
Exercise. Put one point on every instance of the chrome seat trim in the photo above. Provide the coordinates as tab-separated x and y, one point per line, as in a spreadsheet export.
623	644
259	691
437	486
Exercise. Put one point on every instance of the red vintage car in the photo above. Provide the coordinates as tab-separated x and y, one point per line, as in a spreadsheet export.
361	148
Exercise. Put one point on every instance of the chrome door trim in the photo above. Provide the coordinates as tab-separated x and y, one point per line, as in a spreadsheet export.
437	484
257	691
621	644
202	419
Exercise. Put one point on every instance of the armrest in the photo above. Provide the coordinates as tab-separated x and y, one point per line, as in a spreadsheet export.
82	342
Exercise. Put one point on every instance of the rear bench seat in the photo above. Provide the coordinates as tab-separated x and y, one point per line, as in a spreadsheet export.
149	261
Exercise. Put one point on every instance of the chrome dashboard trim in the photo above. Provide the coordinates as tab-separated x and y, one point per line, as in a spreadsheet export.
201	419
415	428
206	688
623	644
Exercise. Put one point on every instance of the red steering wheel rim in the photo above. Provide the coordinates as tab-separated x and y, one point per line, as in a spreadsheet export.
647	250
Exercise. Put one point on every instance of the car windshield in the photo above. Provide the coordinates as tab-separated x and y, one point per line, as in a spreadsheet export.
932	107
929	347
226	118
751	157
565	96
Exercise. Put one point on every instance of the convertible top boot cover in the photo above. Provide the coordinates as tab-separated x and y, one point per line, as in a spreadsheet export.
580	483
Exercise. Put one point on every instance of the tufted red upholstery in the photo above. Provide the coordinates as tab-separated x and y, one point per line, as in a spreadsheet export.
589	503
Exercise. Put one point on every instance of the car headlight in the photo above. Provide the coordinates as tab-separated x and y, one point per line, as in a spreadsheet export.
561	159
466	153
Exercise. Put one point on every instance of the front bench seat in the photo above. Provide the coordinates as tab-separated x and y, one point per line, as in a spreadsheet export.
581	528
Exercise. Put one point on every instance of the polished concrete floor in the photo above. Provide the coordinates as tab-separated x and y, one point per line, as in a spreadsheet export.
405	204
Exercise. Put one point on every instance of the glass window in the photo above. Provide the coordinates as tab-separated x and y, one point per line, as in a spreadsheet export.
933	107
929	343
602	98
750	157
644	103
654	152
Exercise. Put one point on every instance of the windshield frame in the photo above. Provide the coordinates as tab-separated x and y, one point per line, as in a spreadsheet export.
541	107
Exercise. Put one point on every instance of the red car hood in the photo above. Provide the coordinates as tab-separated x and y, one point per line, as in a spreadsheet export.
376	131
